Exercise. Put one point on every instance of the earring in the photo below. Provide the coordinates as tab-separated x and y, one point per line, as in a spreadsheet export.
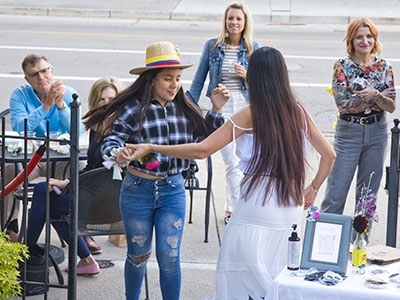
226	33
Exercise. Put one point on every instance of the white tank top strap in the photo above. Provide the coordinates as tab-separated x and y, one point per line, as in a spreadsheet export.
233	132
305	119
241	128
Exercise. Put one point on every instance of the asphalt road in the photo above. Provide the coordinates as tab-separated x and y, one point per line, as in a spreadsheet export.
82	50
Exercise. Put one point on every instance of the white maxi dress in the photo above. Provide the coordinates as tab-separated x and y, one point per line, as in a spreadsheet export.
255	242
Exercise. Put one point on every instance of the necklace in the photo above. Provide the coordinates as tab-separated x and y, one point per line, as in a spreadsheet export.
369	61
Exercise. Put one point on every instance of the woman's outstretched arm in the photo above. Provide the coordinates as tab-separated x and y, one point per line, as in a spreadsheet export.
210	145
328	155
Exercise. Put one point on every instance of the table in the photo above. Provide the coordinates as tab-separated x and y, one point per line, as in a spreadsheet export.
289	287
54	157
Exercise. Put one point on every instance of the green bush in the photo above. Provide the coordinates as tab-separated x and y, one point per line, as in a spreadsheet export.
10	255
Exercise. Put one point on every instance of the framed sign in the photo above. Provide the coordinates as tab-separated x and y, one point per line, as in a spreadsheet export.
326	243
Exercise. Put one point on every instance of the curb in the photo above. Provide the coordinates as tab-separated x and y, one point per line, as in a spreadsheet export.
273	17
84	13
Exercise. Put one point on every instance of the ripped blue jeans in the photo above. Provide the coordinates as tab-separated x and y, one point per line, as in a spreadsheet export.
146	204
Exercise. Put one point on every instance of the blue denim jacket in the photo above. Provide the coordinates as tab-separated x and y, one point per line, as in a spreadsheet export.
211	62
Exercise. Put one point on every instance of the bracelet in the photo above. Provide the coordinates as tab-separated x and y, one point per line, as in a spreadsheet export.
378	97
154	148
315	189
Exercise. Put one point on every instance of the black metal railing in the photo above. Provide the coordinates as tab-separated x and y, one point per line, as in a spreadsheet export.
74	169
392	185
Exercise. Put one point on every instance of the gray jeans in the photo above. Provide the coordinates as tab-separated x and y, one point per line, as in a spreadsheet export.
362	146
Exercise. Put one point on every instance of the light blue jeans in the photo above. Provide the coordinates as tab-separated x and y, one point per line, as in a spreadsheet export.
362	146
146	204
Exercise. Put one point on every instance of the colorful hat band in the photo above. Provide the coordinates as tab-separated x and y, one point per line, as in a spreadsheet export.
163	60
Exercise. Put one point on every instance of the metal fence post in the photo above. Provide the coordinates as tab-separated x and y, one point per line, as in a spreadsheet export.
3	173
391	229
73	209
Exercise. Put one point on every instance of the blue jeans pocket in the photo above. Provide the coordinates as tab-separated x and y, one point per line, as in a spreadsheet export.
175	181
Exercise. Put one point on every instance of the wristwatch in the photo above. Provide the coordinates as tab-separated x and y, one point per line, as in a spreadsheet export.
378	97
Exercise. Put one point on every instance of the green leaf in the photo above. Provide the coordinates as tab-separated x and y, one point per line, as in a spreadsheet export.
10	254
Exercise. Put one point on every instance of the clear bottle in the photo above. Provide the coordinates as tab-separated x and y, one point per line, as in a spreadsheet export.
359	256
358	84
294	250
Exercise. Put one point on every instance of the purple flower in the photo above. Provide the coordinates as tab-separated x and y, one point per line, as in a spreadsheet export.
376	218
365	212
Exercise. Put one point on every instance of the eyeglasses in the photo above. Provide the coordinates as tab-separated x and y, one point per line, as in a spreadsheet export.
44	71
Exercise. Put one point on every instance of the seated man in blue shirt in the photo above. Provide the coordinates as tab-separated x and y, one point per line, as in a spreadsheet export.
39	100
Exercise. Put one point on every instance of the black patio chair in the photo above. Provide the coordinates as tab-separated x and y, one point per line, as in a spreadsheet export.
192	184
98	206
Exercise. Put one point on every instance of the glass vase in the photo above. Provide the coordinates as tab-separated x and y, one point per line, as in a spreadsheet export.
359	254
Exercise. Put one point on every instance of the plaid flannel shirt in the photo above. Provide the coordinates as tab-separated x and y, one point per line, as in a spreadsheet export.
163	126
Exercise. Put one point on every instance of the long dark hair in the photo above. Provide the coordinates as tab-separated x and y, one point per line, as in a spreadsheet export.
277	126
142	89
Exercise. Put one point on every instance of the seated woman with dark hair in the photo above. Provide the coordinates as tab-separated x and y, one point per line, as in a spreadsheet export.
102	91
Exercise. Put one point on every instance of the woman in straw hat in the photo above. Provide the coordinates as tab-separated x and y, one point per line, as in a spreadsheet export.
154	110
272	156
225	59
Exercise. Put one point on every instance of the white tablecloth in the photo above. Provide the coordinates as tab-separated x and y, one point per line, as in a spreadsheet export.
289	287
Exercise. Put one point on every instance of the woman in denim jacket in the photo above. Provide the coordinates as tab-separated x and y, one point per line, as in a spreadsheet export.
225	59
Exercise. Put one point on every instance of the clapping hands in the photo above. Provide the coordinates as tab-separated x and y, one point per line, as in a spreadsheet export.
55	95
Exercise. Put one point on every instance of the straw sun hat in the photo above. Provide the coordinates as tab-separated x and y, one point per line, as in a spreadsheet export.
160	55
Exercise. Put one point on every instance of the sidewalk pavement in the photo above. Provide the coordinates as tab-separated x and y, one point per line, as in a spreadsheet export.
283	11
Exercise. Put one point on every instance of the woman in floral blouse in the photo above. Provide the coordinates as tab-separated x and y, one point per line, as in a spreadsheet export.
363	88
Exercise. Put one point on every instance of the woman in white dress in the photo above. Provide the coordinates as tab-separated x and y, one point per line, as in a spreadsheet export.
270	142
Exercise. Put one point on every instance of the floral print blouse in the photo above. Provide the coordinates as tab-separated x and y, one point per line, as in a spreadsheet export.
346	71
